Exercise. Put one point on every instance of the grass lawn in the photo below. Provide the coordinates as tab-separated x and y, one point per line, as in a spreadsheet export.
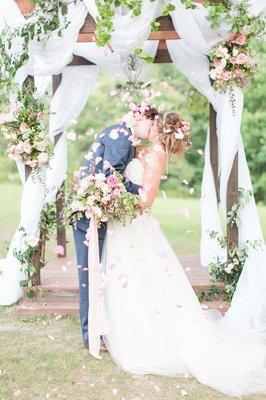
179	219
42	357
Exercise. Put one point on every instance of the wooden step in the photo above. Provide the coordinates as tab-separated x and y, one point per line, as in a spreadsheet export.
58	293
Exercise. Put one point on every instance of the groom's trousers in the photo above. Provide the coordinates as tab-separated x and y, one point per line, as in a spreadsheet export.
82	261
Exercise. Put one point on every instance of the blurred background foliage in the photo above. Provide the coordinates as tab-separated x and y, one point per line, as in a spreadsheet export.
103	109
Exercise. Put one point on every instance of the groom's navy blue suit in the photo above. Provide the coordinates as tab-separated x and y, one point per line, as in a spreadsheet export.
112	149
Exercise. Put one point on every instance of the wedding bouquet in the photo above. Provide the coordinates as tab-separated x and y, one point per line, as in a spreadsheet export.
105	197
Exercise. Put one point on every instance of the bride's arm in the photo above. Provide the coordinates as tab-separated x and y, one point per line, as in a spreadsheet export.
154	168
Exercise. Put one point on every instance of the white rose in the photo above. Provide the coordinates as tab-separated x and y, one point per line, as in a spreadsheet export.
223	62
235	51
100	177
77	206
213	74
43	158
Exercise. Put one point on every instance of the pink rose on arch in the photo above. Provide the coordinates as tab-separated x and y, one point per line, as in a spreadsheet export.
237	38
241	58
217	63
27	147
24	127
239	73
112	181
226	76
233	60
43	158
39	115
19	149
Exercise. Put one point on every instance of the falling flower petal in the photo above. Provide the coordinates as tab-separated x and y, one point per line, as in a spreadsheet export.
185	211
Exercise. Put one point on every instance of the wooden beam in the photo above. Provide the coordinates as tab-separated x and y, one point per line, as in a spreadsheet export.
162	57
232	198
214	148
78	60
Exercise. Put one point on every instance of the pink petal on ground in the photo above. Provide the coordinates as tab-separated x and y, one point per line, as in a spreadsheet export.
59	250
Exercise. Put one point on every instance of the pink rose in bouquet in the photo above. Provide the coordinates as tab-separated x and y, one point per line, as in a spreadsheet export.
116	193
112	181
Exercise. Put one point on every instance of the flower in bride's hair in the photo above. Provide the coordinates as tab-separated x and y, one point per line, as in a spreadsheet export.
179	134
185	126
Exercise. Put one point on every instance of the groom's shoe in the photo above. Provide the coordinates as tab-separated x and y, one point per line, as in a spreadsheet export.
103	347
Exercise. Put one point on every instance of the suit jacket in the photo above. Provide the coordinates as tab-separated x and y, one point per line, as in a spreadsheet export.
112	149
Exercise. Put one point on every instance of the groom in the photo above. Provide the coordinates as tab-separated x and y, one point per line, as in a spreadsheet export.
112	150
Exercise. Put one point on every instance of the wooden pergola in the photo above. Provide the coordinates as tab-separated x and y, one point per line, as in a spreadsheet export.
166	32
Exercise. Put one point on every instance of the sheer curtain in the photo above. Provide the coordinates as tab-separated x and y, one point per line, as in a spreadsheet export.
248	307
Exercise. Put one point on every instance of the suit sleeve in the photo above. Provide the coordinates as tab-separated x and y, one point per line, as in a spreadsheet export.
115	156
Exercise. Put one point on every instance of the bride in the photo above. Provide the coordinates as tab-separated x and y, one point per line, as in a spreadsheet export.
155	322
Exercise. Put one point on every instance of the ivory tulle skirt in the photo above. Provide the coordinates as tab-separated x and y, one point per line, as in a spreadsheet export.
156	323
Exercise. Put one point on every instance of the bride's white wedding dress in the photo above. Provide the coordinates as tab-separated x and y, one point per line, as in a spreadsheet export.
156	323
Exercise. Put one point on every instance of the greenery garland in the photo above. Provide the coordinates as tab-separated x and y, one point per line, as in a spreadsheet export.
228	271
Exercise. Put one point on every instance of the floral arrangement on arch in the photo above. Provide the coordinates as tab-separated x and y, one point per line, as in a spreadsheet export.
233	62
24	131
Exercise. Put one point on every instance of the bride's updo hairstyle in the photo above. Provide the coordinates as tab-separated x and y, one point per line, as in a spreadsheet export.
174	134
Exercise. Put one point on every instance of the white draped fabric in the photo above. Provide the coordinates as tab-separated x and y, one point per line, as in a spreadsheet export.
248	307
190	57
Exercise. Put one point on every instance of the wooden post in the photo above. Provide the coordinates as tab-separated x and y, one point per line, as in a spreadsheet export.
214	148
60	198
232	198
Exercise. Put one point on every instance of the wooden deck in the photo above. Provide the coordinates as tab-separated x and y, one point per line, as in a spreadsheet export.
58	293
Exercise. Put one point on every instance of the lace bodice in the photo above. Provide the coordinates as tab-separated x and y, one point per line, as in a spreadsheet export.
134	172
